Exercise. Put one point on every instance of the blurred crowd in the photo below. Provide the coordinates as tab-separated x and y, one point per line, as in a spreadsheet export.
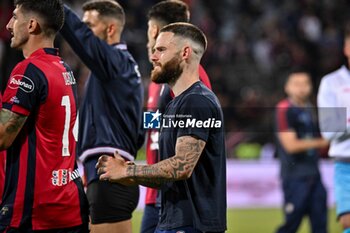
252	45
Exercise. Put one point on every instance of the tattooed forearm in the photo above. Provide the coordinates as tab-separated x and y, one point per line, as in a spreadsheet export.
10	124
11	121
146	175
178	167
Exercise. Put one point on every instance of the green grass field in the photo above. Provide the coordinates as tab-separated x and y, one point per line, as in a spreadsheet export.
256	220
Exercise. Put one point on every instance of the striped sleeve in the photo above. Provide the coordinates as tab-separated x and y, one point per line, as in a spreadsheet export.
23	89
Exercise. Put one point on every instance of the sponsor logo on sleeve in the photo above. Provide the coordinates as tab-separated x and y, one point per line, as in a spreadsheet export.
4	210
14	100
21	82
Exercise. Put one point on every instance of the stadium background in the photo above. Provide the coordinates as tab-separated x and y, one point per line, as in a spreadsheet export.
252	44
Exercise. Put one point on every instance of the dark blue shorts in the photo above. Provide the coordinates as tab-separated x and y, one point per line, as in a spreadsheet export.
150	219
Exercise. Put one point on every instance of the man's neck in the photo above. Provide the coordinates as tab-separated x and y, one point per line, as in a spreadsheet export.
113	40
35	44
185	81
298	102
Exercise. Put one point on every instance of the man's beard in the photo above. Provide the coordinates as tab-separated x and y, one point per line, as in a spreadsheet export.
169	72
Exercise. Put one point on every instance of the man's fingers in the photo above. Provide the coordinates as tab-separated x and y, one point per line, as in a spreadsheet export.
104	177
103	158
101	161
118	156
130	163
100	170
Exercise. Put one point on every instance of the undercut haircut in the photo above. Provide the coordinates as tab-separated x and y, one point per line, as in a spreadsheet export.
188	31
170	11
106	8
50	11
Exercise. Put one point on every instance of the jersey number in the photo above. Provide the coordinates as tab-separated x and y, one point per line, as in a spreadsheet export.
65	139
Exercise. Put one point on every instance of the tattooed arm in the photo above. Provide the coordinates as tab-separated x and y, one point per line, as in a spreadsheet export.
10	125
179	167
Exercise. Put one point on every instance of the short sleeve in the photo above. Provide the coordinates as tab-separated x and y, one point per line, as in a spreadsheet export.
284	118
200	116
25	89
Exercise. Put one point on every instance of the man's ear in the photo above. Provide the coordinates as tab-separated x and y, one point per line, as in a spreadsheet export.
186	52
34	26
111	28
155	31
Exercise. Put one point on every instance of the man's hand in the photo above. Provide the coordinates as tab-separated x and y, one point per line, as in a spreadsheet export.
114	169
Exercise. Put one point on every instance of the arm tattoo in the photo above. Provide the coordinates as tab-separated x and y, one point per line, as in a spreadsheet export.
178	167
11	123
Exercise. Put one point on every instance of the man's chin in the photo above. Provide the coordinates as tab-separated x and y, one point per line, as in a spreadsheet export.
14	46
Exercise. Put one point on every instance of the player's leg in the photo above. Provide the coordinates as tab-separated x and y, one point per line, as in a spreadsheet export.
318	207
121	226
150	218
342	192
294	206
111	206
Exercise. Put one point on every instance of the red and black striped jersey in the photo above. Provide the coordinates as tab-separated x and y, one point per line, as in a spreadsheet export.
2	165
42	188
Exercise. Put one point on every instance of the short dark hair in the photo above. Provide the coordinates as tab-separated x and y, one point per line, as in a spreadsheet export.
297	70
51	11
170	11
107	8
189	31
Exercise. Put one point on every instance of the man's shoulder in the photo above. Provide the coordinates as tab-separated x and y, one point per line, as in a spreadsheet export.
26	70
121	49
200	95
284	110
340	72
284	103
21	67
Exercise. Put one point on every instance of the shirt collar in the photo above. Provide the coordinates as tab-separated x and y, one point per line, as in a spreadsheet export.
42	51
120	46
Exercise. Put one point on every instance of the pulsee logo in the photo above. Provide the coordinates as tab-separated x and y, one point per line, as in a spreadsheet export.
21	82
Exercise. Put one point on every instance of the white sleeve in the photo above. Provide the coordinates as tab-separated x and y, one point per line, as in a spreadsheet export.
332	117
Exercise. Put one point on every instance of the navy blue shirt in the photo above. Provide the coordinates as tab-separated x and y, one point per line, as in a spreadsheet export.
199	201
110	115
302	120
